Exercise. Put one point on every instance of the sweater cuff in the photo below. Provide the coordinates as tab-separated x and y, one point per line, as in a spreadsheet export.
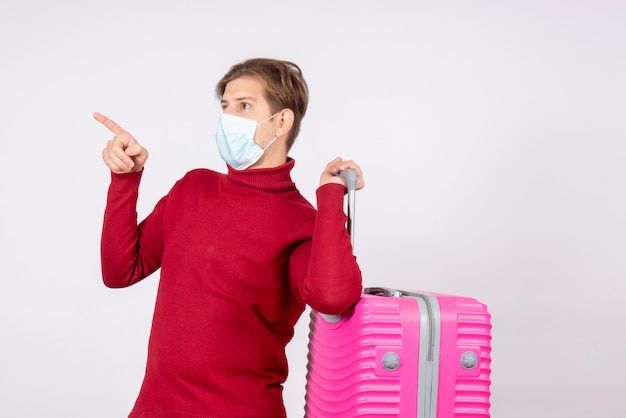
330	195
126	181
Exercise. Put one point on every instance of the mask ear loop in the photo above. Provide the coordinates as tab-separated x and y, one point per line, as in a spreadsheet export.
271	142
275	137
266	119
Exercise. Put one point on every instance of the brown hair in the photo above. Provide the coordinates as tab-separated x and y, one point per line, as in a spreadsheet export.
285	87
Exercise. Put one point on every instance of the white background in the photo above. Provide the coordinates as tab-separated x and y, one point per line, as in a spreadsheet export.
491	134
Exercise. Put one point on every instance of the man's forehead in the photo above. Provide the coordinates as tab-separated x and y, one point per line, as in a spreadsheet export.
244	88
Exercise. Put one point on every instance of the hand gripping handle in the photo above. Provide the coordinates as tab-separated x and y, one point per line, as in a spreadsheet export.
351	177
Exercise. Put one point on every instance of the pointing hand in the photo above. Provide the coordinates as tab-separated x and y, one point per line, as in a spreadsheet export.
123	154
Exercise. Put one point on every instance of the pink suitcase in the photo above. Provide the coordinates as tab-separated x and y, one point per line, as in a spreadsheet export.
400	354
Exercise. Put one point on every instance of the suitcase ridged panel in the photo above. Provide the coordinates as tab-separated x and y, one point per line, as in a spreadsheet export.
347	352
471	397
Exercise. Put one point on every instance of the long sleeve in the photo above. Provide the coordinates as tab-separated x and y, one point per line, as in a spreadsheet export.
332	281
129	252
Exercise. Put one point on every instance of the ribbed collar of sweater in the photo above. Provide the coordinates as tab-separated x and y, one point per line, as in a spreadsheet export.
274	179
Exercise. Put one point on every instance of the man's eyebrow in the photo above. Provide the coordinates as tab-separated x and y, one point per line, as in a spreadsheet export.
239	99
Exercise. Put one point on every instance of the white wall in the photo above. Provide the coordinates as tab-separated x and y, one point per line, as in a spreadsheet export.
491	133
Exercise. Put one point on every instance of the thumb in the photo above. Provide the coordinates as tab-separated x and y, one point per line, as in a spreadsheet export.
133	148
138	153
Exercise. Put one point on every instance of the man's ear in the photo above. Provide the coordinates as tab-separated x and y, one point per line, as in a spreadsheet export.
285	122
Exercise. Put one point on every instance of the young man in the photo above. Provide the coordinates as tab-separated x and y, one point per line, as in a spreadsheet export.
240	253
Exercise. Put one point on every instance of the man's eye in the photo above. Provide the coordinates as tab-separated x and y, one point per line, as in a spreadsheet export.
245	106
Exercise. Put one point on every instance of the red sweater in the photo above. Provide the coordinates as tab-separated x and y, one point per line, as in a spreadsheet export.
240	256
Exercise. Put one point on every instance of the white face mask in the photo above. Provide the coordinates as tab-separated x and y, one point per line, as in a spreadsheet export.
235	140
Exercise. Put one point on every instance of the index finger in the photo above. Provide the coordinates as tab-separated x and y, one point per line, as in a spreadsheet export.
109	123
